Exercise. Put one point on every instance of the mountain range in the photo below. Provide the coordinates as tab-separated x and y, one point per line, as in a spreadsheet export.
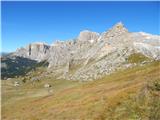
90	56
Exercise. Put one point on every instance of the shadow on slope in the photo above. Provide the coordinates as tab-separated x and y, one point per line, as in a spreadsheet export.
16	66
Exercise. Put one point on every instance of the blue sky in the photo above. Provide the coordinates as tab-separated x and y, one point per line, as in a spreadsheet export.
26	22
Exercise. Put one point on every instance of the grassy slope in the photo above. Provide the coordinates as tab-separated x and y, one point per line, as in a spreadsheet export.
137	58
124	95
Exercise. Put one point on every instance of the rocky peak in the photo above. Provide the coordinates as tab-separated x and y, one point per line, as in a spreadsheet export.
87	35
117	29
119	25
117	36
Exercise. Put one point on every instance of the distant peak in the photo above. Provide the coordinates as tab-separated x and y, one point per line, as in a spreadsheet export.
118	28
119	25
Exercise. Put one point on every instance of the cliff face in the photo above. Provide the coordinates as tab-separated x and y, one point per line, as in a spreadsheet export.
88	36
92	55
35	51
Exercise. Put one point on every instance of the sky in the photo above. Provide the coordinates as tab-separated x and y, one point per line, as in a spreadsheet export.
26	22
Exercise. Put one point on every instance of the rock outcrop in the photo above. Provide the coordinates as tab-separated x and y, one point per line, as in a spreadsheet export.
35	51
88	36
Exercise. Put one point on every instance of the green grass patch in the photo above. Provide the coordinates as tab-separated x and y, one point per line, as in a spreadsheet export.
137	58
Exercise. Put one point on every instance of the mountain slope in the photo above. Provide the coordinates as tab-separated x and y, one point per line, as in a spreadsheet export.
15	66
126	94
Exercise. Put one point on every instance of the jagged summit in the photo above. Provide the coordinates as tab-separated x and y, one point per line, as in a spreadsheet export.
119	24
118	29
117	36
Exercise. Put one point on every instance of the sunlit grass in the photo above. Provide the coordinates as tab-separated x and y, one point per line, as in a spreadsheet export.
116	96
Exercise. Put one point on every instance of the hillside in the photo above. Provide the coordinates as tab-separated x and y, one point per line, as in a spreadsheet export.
127	94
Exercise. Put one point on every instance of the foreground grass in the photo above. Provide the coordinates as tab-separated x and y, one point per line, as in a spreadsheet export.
131	94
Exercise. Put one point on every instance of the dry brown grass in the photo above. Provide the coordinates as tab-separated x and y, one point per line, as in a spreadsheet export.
97	100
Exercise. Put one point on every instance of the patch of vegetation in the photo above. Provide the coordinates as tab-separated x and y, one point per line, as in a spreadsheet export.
142	105
16	66
73	68
137	58
19	66
42	64
155	85
74	65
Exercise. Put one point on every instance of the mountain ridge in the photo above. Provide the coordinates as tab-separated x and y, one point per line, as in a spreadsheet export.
92	55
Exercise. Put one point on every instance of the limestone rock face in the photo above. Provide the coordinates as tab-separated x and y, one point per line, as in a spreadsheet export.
35	51
117	36
92	55
117	30
148	50
147	44
88	36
